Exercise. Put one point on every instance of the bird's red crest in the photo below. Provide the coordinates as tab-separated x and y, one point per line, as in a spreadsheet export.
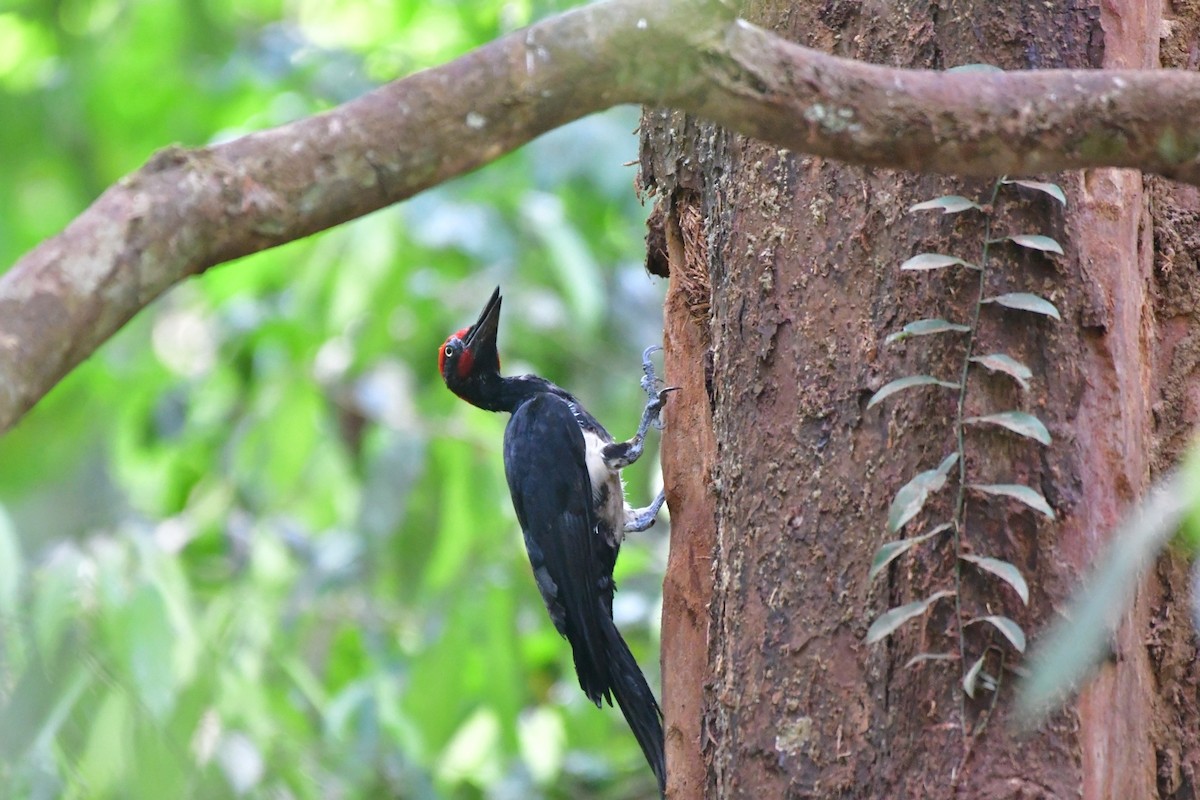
442	352
466	360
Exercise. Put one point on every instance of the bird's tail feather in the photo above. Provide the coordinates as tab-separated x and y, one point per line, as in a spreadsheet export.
636	701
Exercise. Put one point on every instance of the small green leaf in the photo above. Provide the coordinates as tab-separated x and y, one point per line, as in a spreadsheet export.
890	551
998	362
1011	630
921	658
924	327
908	382
1016	421
947	204
1023	301
974	68
972	677
1037	242
928	261
893	618
949	461
911	498
1017	492
1005	571
1051	189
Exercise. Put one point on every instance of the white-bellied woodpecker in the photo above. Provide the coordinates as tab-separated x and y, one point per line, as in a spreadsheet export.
563	471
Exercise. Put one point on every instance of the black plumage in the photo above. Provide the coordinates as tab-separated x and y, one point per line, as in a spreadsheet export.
563	471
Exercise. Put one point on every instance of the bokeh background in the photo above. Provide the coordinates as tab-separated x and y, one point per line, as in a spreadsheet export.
253	547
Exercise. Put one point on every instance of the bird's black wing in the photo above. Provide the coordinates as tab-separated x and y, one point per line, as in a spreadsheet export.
544	459
552	495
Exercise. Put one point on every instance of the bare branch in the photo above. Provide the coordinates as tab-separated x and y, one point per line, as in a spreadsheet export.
187	210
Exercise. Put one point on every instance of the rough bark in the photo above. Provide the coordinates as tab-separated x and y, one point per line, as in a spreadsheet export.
802	258
187	210
1175	292
688	461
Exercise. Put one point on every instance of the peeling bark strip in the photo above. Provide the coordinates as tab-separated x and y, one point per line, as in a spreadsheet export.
187	210
689	457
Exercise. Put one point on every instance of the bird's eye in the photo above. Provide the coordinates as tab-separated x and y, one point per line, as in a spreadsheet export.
449	350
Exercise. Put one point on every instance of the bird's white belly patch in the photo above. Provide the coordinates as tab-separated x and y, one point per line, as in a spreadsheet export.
608	490
598	471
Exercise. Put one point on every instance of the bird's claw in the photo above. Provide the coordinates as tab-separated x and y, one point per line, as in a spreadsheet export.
649	380
659	400
650	383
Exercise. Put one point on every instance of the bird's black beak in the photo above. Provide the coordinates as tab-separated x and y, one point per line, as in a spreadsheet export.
480	340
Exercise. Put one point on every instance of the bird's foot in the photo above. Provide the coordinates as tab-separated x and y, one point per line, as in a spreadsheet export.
649	380
621	454
650	384
640	519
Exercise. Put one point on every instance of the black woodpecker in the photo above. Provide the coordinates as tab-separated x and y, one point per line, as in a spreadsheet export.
563	472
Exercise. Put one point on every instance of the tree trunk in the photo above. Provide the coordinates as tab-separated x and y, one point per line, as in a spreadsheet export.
785	282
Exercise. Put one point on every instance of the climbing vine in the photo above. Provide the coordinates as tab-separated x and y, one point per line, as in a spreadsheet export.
912	498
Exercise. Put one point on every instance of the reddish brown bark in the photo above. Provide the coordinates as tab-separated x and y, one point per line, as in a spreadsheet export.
803	258
1111	228
688	458
1175	247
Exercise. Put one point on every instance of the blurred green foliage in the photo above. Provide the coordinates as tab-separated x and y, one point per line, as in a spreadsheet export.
253	547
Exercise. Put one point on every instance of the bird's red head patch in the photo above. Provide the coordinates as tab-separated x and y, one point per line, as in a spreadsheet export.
455	349
472	349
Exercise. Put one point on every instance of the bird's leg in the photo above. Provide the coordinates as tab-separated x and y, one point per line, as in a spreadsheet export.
640	519
619	455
